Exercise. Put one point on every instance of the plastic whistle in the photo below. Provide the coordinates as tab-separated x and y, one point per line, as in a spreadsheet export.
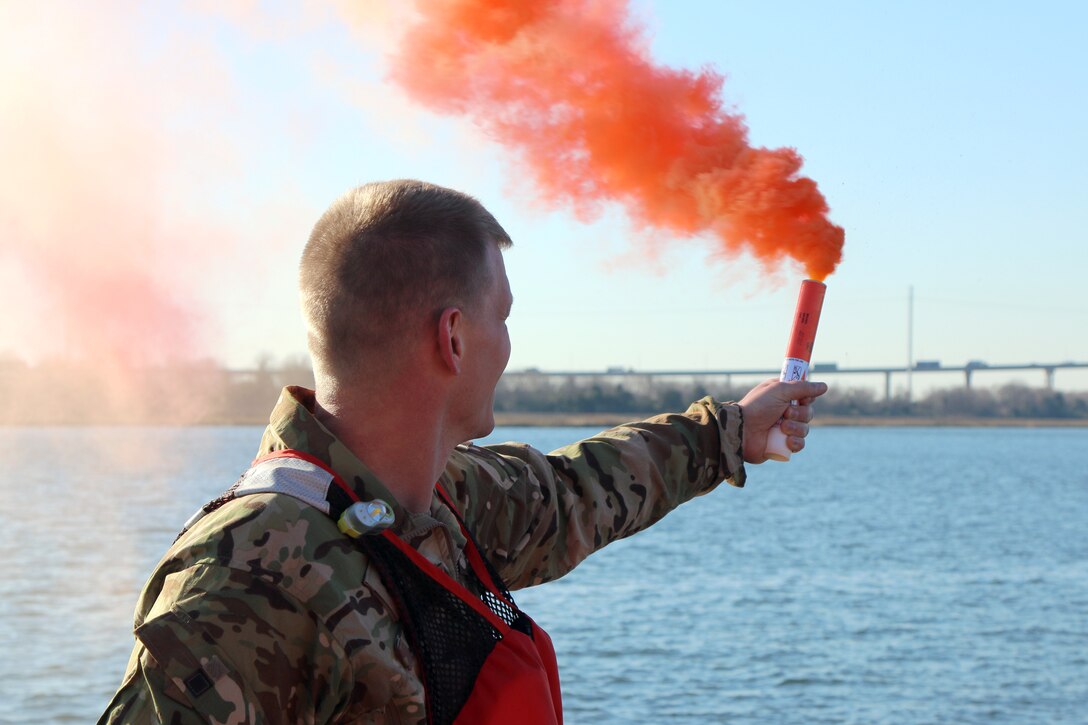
798	354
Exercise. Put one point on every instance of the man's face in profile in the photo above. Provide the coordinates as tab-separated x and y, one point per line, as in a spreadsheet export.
487	348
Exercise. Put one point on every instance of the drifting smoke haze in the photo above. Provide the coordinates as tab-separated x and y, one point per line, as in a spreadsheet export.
569	87
89	163
86	251
113	160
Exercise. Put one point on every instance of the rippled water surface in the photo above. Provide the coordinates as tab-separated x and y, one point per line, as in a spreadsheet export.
885	575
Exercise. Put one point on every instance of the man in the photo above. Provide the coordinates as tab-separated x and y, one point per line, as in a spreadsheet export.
336	581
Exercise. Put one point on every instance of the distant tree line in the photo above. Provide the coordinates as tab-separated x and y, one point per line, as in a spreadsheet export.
204	393
547	395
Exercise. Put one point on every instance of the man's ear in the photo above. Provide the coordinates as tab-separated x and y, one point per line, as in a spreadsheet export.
451	338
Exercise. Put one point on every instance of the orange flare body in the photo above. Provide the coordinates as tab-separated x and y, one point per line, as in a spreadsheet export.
806	318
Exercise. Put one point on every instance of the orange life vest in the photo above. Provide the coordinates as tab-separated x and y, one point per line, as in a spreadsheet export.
483	661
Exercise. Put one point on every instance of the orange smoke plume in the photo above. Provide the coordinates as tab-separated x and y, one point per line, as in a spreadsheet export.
569	85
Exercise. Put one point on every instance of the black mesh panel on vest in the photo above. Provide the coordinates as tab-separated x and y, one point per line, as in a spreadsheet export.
449	637
501	607
508	613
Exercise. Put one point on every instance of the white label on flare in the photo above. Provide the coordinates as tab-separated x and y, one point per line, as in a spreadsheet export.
794	369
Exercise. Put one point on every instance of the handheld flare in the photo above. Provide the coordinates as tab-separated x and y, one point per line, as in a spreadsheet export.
798	353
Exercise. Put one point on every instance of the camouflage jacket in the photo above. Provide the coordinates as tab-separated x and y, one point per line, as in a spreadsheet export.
263	612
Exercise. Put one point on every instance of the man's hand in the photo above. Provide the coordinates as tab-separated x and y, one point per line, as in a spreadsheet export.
769	402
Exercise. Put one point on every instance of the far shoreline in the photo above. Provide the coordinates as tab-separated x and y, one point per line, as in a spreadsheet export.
596	420
572	420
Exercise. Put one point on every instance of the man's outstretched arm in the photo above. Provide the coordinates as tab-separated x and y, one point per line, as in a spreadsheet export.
538	515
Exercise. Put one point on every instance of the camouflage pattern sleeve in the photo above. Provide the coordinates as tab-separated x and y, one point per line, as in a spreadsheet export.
537	516
268	670
142	697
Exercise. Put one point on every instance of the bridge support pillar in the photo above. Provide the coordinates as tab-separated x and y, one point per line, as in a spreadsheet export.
967	377
887	385
1049	378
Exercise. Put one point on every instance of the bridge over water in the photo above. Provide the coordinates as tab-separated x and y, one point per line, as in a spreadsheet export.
824	370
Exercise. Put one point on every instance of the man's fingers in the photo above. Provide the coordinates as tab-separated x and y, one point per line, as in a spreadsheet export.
795	428
768	404
802	412
803	389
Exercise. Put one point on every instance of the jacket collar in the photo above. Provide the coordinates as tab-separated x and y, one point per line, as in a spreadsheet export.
293	425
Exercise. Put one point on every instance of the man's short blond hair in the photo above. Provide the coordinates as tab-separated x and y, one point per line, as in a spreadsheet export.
387	257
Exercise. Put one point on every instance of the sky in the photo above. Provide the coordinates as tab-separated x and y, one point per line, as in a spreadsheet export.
161	166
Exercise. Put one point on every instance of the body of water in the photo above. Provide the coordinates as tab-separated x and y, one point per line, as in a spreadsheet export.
898	575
